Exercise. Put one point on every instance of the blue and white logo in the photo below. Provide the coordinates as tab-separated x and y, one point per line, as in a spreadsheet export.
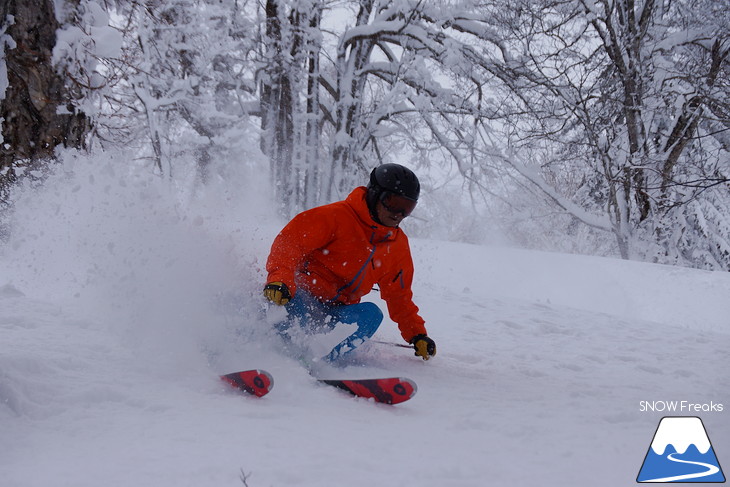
681	452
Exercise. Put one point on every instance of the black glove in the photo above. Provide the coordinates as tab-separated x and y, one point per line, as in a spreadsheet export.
424	346
277	293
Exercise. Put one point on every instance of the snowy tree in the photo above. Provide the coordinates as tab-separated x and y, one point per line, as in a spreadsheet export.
564	119
172	82
379	75
290	107
37	108
620	107
185	78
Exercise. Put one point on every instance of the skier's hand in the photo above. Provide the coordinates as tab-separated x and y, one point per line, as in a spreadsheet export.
277	293
424	346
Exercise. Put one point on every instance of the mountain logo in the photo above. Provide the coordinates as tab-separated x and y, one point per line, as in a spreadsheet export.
681	452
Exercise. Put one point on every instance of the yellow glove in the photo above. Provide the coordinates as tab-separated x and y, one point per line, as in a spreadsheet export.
424	346
277	293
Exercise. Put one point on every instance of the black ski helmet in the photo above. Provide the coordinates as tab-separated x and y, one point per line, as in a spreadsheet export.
396	179
392	178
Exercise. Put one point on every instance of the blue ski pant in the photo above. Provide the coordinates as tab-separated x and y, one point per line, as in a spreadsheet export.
313	316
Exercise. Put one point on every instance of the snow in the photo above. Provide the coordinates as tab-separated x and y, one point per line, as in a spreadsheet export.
6	42
96	39
122	300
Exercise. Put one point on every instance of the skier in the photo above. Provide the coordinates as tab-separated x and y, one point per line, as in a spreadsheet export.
327	258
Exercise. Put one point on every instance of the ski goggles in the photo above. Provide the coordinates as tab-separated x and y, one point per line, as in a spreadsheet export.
396	203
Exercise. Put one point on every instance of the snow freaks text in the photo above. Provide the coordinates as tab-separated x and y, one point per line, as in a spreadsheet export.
680	407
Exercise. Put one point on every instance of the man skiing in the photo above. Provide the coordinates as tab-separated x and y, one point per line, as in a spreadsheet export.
327	258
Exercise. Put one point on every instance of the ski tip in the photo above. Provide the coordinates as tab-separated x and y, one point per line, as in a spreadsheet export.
404	390
412	384
256	382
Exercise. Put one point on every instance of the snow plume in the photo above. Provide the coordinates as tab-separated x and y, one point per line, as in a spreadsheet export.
154	259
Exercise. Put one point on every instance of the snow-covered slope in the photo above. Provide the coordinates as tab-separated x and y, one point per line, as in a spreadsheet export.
115	321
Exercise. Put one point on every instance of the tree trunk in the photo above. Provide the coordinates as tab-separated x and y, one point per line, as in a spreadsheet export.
37	113
313	132
277	109
351	58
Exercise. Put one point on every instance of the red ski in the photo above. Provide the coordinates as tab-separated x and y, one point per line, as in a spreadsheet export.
256	382
391	390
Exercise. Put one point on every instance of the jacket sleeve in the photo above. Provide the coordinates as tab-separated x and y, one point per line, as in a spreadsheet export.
306	232
395	289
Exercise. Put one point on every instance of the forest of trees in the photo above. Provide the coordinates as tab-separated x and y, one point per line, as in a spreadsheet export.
606	121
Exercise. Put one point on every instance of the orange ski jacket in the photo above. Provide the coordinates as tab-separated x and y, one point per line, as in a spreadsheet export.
337	253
